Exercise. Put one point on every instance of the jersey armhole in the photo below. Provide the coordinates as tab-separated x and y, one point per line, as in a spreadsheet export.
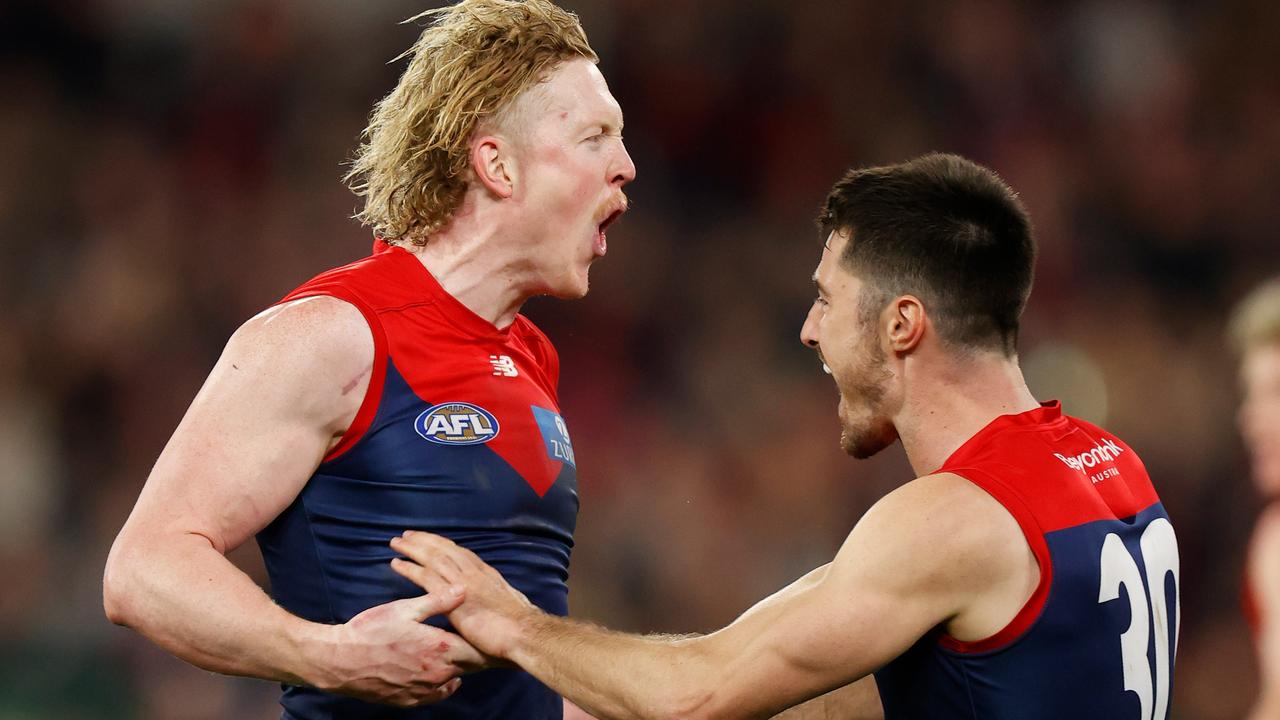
1031	609
377	375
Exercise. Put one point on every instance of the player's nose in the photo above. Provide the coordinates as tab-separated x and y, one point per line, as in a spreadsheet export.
625	169
809	330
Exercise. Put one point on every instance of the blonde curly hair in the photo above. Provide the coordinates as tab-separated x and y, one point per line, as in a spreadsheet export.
466	68
1256	320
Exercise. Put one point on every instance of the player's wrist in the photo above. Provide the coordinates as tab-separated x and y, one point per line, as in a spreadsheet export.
527	628
315	647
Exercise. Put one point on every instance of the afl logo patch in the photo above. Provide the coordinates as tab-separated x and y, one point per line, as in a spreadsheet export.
456	423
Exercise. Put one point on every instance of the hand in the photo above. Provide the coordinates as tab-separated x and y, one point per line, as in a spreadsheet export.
493	614
386	655
573	712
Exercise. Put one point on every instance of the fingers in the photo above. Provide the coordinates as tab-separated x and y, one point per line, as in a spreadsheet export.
426	578
438	556
439	600
450	688
447	565
433	551
463	654
442	601
433	695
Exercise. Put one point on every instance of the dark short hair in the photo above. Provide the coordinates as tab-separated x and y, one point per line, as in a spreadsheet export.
946	230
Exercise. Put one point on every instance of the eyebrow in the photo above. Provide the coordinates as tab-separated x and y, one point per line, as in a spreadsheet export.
607	124
822	289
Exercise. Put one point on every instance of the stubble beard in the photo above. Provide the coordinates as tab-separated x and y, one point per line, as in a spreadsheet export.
867	386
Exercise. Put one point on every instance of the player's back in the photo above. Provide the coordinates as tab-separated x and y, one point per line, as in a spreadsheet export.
1098	637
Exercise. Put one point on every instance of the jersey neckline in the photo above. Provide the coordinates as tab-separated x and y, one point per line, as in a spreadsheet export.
1049	413
454	309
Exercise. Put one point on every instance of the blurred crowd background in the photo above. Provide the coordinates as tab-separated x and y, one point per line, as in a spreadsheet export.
167	169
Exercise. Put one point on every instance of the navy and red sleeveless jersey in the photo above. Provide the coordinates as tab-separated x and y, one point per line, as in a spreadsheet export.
1097	638
459	434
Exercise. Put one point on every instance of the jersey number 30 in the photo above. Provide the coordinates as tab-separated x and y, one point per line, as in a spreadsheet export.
1159	550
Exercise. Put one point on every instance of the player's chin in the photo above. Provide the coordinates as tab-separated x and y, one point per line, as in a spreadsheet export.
574	287
866	441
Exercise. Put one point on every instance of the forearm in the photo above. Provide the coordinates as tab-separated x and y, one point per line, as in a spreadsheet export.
859	700
614	675
186	597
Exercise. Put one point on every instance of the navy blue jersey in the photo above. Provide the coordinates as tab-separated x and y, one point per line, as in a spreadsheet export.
459	434
1098	637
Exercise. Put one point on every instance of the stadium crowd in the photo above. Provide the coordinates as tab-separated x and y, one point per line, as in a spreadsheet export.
169	169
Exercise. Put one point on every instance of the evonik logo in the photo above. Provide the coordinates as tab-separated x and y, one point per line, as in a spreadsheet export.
1104	452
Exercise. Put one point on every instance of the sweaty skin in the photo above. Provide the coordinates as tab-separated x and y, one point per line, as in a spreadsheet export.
222	477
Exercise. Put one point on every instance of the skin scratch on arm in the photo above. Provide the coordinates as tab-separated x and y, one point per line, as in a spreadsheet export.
346	389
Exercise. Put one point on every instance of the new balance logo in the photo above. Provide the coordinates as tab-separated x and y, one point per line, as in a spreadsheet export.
503	366
1104	452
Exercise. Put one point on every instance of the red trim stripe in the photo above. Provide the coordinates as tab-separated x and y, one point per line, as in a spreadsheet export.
373	395
1034	534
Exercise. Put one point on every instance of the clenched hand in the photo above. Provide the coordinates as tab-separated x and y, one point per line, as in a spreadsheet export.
386	655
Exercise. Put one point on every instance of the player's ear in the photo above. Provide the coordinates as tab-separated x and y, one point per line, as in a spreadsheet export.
493	163
905	323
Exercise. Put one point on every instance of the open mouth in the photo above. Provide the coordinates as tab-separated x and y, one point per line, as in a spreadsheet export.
825	367
610	220
602	243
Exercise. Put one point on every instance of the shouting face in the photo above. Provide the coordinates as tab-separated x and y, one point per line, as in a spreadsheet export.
842	328
571	167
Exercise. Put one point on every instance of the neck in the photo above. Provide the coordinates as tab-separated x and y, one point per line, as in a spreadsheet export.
944	409
480	265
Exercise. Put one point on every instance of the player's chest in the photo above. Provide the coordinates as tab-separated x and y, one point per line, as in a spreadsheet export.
460	398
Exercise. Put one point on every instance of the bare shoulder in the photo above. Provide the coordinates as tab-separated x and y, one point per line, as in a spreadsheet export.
289	382
947	531
316	350
945	506
313	328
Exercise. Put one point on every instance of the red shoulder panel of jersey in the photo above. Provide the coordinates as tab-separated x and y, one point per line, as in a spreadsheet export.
368	284
1032	531
1050	472
1067	471
443	349
540	346
384	280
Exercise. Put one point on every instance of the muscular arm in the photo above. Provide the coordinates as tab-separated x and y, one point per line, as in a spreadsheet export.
936	551
1264	579
286	387
858	700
